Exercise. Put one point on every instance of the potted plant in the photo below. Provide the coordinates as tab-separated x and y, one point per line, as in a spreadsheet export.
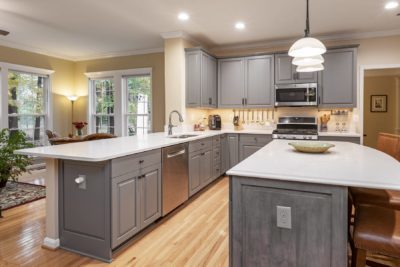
12	165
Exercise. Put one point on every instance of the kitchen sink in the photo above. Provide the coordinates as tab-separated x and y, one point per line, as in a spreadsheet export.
183	136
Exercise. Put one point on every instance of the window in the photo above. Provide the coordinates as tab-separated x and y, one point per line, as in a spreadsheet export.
120	102
25	101
138	104
104	96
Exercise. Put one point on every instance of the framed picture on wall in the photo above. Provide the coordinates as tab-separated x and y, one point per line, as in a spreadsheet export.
378	103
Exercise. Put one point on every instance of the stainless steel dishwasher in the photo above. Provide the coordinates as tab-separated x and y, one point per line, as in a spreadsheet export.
175	177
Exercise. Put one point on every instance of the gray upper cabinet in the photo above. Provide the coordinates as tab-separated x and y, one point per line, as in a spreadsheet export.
338	80
231	82
285	71
259	81
201	79
246	82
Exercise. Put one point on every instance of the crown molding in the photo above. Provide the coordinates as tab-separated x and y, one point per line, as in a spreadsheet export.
31	49
180	34
289	41
121	54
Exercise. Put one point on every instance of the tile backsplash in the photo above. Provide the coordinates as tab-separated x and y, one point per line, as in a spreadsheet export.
348	123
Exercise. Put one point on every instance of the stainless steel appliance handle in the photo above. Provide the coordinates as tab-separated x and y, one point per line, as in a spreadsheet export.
183	151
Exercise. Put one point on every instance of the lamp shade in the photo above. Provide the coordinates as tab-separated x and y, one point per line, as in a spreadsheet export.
72	97
310	68
308	61
307	47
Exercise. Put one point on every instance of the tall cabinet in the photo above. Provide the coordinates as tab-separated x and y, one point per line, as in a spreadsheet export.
201	79
246	82
338	81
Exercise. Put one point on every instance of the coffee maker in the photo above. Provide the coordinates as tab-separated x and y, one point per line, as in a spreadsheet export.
214	122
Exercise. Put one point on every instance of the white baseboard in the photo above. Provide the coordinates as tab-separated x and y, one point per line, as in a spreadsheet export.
51	243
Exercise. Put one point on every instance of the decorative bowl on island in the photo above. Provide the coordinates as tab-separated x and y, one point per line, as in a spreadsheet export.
311	146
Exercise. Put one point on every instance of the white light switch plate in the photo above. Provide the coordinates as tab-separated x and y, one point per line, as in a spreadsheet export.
284	217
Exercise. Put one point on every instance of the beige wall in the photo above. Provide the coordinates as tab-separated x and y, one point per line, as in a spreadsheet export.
375	122
174	52
154	61
63	81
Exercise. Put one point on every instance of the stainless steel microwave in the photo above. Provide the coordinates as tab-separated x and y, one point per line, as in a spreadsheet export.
296	95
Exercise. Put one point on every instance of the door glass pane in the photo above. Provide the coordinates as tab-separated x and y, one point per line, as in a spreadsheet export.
139	107
104	105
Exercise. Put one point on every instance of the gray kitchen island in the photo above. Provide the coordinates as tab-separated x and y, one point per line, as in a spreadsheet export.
290	209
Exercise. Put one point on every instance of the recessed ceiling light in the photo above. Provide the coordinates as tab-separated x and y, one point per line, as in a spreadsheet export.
240	25
391	5
183	16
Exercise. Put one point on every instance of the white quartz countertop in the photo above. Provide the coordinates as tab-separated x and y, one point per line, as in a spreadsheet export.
346	164
106	149
338	134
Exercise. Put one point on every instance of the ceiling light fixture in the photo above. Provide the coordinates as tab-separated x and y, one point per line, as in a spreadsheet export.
240	25
183	16
308	61
391	5
311	68
307	46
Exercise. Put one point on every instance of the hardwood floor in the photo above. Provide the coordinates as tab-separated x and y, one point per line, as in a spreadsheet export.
196	235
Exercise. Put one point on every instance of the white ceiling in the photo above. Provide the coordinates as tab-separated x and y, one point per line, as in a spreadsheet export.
78	29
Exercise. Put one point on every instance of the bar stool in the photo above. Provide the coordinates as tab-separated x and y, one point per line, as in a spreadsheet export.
376	229
389	144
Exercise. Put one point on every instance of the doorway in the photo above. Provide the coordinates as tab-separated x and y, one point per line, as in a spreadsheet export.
381	102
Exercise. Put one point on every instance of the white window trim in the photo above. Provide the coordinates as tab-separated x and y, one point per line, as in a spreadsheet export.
4	69
120	122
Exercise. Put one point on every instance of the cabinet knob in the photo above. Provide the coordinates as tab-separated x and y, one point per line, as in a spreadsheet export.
141	161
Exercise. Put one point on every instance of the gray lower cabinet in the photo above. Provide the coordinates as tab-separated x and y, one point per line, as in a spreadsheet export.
102	205
233	150
125	207
136	202
355	140
150	195
285	71
251	143
84	208
201	79
224	153
316	235
246	82
338	81
200	164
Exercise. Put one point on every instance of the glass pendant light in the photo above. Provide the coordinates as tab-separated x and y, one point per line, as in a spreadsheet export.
311	68
307	46
307	61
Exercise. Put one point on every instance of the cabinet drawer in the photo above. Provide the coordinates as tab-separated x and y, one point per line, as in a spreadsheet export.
128	164
200	144
216	141
217	170
255	139
217	155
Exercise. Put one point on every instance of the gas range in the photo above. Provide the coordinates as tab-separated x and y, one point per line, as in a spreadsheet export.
296	128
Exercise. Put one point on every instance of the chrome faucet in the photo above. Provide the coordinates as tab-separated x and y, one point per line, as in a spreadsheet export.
170	125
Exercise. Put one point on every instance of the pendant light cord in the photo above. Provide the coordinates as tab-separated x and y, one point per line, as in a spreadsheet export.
307	30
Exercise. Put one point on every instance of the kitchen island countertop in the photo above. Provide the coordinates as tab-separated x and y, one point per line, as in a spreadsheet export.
346	164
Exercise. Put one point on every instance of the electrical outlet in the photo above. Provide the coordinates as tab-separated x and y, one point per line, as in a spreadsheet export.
284	217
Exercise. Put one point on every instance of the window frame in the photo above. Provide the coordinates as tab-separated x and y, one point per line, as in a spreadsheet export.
120	101
5	68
